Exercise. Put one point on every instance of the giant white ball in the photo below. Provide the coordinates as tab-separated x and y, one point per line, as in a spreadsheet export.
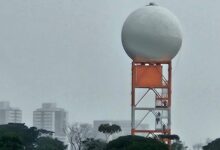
151	33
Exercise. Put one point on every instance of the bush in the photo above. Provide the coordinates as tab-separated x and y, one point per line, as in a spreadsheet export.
93	144
131	142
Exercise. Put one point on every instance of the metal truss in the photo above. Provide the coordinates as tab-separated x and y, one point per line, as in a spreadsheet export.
162	109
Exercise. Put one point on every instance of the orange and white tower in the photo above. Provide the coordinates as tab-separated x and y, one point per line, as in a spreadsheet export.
151	37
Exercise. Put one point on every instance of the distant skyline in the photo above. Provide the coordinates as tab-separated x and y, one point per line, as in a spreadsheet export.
70	52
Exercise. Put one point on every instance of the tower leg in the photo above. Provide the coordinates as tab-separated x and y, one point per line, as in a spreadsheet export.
132	104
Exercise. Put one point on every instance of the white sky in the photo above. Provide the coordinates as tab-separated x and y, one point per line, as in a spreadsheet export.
70	52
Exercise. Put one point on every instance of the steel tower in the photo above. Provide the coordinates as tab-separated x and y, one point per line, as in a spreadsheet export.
156	77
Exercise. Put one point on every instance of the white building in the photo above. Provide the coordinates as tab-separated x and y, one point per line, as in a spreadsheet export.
51	118
9	114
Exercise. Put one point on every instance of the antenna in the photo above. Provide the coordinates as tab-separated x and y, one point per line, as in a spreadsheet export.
152	4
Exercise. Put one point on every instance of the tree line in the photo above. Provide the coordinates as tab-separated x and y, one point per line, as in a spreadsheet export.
17	136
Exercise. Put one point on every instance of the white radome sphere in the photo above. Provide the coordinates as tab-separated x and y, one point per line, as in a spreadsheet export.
151	33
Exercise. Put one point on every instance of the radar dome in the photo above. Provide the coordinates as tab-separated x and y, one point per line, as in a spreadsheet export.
151	33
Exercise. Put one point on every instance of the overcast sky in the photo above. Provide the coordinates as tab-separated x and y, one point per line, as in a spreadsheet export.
70	52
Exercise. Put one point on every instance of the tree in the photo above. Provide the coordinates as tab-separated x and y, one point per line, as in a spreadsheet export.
19	134
11	143
132	142
48	143
93	144
77	133
108	130
27	135
214	145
